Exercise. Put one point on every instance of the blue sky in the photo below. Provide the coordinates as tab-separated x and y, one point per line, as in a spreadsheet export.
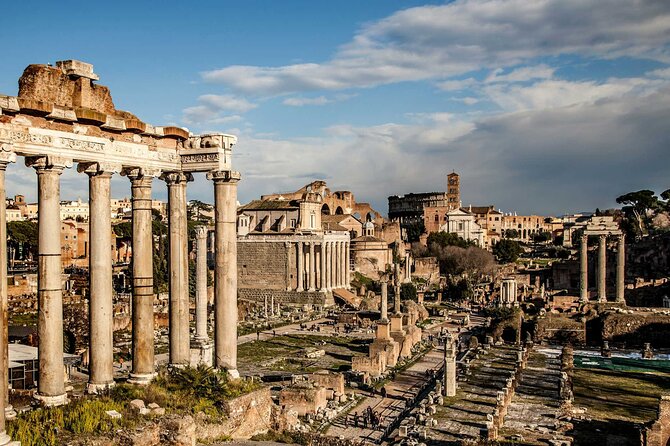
548	107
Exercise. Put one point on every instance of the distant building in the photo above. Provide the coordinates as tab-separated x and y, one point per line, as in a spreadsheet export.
463	223
409	209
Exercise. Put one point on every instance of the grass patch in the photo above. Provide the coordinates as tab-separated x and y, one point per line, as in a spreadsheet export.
53	426
619	395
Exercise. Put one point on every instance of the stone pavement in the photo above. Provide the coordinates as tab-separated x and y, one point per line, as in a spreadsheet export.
534	407
406	385
464	415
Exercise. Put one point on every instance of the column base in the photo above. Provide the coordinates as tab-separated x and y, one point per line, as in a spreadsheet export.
602	300
10	413
202	353
5	440
141	379
233	373
51	401
98	388
311	290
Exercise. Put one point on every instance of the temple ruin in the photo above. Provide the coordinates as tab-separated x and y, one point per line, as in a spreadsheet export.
60	117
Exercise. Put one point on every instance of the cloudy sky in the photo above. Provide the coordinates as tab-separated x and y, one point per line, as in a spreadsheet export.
544	106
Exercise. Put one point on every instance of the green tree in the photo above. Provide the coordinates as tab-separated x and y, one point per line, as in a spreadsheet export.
507	251
195	208
636	208
22	236
414	230
541	237
444	239
408	292
511	233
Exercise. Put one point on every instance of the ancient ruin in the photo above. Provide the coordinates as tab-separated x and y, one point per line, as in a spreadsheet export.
62	116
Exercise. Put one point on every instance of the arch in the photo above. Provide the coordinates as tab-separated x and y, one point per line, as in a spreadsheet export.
339	211
370	216
325	209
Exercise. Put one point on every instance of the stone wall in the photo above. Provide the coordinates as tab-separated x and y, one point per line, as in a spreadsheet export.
285	297
303	398
264	265
657	433
636	329
427	268
331	381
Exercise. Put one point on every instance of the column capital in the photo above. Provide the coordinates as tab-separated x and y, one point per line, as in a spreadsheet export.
48	162
6	155
96	168
174	178
201	232
137	173
583	237
226	176
602	238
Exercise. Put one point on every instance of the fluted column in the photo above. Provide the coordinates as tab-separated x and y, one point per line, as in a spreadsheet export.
347	250
301	266
602	268
6	157
320	268
584	268
312	267
201	335
100	307
178	268
143	276
51	376
340	264
621	269
329	272
225	275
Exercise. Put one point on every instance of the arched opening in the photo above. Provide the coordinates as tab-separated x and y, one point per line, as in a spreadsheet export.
339	211
371	217
325	209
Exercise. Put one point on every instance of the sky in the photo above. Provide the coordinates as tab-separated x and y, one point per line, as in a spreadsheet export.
543	107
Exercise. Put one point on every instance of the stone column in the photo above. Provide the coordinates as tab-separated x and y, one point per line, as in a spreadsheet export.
178	268
6	157
143	276
320	268
347	248
385	300
225	274
341	263
621	269
449	387
602	268
312	267
396	302
329	267
100	308
408	273
51	376
301	266
201	335
584	269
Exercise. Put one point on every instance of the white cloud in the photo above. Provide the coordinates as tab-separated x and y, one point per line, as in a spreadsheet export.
546	160
522	74
227	102
298	101
438	42
213	109
560	93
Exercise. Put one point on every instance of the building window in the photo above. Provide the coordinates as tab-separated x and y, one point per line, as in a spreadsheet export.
437	219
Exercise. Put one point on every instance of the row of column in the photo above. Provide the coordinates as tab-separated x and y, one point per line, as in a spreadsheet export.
329	272
601	280
51	379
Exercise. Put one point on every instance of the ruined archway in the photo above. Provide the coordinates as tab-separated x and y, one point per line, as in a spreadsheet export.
339	211
325	209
